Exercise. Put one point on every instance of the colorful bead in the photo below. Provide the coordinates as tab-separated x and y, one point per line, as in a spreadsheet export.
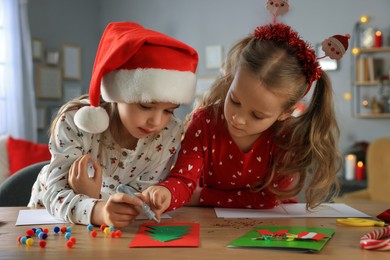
69	229
30	232
63	229
69	244
19	238
112	228
42	243
90	227
56	229
42	235
93	233
73	239
46	230
102	227
118	233
23	240
68	235
30	241
106	231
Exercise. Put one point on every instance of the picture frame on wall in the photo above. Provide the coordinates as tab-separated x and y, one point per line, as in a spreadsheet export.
52	58
48	82
71	61
37	49
41	116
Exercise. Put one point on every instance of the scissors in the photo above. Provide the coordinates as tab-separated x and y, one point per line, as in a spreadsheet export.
360	222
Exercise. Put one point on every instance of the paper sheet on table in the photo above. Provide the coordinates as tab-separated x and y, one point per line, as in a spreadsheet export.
41	216
294	210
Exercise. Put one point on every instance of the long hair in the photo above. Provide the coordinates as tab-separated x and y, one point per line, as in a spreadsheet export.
312	143
77	103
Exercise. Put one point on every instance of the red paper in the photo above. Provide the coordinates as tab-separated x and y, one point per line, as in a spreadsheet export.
143	238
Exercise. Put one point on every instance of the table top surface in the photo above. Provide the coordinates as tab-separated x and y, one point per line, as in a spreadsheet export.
215	234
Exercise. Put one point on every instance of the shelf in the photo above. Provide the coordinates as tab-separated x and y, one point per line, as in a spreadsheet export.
373	50
372	116
372	83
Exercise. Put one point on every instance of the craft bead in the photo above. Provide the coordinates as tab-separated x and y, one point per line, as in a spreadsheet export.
30	232
93	233
56	229
42	243
30	241
90	227
69	244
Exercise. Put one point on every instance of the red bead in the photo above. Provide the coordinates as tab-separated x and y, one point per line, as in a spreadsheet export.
118	233
102	227
46	230
93	233
69	244
30	232
112	234
63	229
19	237
73	239
42	243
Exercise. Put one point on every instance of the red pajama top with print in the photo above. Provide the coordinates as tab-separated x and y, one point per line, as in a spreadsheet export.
209	157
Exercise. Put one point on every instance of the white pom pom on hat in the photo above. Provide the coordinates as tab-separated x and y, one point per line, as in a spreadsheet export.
134	64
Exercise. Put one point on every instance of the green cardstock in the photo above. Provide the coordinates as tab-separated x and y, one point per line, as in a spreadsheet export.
249	239
167	233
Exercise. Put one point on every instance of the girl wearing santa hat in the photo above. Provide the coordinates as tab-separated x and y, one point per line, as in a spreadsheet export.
243	148
130	134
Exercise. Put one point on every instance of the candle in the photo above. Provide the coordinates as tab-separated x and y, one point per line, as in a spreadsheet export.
360	171
378	39
350	165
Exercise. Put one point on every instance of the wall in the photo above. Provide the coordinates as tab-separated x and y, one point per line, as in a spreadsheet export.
58	22
218	22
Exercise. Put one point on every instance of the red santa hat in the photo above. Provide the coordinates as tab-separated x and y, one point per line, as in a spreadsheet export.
341	41
134	64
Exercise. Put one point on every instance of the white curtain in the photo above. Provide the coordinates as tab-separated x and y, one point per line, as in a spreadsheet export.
18	114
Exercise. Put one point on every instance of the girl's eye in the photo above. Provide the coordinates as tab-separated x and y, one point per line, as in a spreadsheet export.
329	44
169	111
143	106
257	116
234	101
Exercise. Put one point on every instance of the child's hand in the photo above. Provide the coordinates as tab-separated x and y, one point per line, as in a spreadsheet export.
79	180
159	199
119	211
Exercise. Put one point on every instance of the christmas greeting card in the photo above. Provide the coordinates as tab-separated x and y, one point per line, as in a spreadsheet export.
285	237
167	235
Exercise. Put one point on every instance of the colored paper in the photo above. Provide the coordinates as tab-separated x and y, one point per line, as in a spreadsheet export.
167	235
251	239
294	210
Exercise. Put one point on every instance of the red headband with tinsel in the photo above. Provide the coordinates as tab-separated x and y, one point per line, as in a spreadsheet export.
283	34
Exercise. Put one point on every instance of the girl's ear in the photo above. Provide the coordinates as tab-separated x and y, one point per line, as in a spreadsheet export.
287	114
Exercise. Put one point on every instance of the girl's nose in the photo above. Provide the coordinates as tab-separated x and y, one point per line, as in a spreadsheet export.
237	119
155	119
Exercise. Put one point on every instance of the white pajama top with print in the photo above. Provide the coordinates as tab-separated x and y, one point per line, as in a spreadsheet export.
146	165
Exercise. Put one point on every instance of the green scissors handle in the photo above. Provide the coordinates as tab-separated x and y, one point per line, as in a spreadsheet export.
360	222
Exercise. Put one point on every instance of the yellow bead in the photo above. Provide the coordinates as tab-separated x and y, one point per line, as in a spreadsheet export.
30	241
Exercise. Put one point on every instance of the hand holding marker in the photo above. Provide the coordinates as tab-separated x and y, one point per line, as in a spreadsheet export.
145	208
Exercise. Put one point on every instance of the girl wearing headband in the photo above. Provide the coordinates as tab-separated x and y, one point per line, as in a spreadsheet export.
243	148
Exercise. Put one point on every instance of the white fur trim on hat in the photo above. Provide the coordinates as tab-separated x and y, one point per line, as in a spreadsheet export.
93	120
146	85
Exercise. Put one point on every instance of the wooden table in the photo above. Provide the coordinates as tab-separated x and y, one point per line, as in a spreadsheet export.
215	234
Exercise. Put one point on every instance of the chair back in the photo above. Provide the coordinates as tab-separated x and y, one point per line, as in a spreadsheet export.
15	191
378	169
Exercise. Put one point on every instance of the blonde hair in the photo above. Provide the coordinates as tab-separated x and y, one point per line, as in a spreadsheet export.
311	145
77	103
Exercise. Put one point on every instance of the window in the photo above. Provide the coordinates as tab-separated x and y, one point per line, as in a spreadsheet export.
2	68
